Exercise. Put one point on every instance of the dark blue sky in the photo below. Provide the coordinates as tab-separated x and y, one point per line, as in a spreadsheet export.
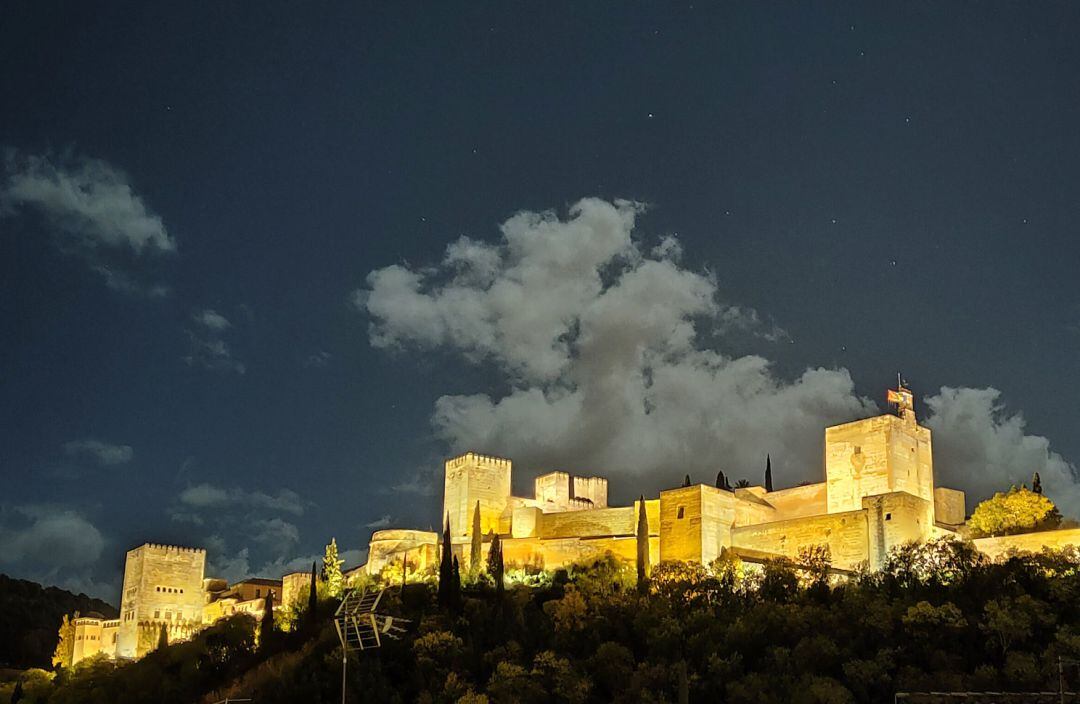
893	186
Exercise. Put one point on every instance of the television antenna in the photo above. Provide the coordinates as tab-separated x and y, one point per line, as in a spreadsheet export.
359	627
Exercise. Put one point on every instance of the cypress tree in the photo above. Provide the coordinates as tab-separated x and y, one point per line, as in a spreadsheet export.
495	563
477	543
313	598
720	479
642	545
686	481
1036	483
266	626
446	567
163	638
768	473
455	585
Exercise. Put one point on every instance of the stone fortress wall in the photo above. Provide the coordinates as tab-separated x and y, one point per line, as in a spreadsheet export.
878	493
163	586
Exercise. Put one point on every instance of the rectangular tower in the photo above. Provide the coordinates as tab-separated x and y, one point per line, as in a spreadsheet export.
163	585
472	478
876	456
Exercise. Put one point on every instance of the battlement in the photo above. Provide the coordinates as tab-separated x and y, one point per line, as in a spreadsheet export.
561	491
164	548
477	459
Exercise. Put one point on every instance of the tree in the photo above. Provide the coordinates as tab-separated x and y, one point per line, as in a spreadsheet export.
332	570
1016	511
266	626
446	566
686	481
495	562
768	472
455	585
721	480
643	545
163	638
65	646
313	597
742	484
1036	483
477	543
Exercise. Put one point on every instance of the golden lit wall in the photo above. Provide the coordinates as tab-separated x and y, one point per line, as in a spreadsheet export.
949	506
387	545
799	501
895	519
1028	542
874	456
560	552
473	478
162	585
845	534
581	524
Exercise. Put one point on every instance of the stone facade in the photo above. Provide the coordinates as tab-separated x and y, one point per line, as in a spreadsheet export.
878	492
163	586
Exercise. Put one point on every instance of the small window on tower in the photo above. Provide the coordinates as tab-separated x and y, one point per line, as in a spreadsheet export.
858	449
680	512
888	516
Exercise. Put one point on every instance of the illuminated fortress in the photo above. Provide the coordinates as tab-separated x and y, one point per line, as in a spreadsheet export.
878	493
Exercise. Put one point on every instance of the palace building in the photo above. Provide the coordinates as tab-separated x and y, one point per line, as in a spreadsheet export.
878	493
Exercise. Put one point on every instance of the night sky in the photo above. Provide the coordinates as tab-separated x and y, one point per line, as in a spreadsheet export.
236	310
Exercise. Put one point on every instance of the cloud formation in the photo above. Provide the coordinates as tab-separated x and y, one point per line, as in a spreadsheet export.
208	496
980	446
598	339
207	347
93	209
105	454
47	536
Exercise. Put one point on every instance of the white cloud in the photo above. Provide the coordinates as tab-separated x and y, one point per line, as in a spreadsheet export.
238	565
208	496
382	522
980	447
277	534
54	537
212	319
105	454
598	338
213	353
93	209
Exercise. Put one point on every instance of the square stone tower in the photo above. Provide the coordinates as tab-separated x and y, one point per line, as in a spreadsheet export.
875	456
471	478
163	585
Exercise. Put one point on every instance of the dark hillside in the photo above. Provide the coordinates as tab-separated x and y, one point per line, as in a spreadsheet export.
30	615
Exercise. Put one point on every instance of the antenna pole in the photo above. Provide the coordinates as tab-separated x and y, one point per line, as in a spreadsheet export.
344	665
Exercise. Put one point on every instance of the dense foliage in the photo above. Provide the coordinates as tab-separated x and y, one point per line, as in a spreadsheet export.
30	616
938	616
1015	511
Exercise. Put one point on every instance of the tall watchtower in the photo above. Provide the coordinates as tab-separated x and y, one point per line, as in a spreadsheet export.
879	455
163	585
472	478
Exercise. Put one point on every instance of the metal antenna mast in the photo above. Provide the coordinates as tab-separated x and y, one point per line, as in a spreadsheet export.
360	628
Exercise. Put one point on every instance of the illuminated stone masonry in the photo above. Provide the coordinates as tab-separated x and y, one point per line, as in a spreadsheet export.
878	493
165	587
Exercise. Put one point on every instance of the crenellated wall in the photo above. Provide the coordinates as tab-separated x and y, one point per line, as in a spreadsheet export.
472	479
163	585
